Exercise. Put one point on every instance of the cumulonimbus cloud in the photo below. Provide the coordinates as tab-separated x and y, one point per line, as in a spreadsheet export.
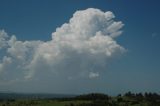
80	48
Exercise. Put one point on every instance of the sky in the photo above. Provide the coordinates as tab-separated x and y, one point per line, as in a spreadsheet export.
79	46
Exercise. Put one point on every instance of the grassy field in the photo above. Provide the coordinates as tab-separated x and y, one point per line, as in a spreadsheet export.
125	102
128	99
41	103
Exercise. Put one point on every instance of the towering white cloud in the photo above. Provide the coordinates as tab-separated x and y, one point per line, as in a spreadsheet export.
78	49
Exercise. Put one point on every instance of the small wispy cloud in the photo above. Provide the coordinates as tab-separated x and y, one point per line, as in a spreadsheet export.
93	75
154	35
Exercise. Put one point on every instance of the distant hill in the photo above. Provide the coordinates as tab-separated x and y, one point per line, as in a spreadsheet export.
10	95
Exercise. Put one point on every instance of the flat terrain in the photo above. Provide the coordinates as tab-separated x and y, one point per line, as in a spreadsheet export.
41	103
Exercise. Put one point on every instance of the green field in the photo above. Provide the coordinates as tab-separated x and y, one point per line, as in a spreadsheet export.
41	103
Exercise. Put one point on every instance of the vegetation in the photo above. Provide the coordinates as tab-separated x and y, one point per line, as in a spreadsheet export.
94	99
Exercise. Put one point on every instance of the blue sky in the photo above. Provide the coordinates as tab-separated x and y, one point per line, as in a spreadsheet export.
136	70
